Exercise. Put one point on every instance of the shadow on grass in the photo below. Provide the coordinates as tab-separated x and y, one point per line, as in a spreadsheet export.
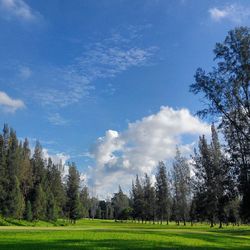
106	244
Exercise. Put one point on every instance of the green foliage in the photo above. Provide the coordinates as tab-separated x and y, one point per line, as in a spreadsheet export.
162	189
39	203
226	89
120	203
28	211
73	200
181	188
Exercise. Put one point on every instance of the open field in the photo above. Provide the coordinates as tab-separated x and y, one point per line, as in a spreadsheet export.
98	234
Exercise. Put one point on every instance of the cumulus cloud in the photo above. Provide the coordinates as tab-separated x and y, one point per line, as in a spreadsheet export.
18	9
58	158
119	156
9	104
235	13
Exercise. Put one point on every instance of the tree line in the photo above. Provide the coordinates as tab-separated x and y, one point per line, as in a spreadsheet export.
212	185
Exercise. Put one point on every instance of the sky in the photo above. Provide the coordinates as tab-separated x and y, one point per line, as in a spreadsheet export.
105	83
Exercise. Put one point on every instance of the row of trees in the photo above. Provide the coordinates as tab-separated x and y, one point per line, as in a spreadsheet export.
32	187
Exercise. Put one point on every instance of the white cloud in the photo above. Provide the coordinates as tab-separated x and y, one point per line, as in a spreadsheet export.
56	158
57	119
120	156
9	104
235	13
18	9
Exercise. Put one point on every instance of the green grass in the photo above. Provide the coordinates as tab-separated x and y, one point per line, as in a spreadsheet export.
97	234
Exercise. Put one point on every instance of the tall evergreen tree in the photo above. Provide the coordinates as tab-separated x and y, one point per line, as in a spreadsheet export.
72	187
39	203
162	189
213	180
28	211
138	199
149	208
25	170
181	186
85	202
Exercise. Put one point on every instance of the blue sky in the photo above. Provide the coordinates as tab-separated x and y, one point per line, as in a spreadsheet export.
99	82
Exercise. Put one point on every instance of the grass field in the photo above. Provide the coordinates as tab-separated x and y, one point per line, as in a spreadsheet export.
99	234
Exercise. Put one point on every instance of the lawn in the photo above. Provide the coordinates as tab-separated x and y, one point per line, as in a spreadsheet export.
97	234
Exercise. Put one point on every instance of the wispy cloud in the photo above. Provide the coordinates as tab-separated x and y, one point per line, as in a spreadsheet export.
235	13
121	155
59	87
25	72
9	104
57	119
63	86
18	9
102	61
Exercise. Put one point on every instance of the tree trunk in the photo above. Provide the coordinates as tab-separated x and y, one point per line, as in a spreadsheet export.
211	223
220	224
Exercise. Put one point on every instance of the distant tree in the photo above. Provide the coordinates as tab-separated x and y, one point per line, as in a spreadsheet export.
162	189
25	170
39	203
138	199
38	167
120	203
85	202
103	209
213	179
3	172
109	210
181	187
149	208
52	209
28	211
73	201
94	202
55	186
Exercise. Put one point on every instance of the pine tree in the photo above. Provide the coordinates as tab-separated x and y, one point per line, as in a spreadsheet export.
38	164
181	186
73	201
3	177
85	202
138	199
39	203
28	211
25	170
14	199
51	213
162	189
149	199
